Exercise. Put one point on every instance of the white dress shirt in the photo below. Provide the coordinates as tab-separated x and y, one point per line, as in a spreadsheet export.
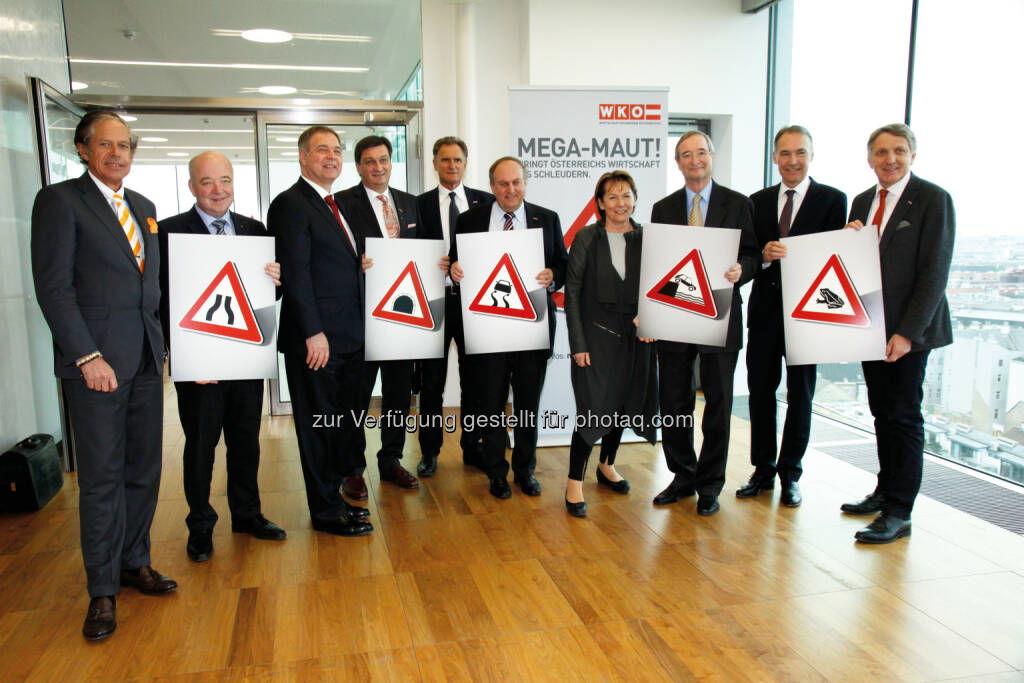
443	200
895	190
798	197
229	226
497	223
378	209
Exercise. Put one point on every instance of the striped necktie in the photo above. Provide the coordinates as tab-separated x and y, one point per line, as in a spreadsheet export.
124	217
508	222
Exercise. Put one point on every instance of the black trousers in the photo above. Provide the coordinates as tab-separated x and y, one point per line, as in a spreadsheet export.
396	387
323	403
765	355
435	372
234	407
895	392
524	371
579	452
678	395
118	441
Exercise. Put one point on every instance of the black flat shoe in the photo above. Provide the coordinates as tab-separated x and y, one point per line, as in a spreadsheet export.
620	486
576	509
260	527
707	505
884	529
499	488
427	466
759	481
869	505
199	546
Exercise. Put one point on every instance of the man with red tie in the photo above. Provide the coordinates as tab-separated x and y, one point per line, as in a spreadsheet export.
916	225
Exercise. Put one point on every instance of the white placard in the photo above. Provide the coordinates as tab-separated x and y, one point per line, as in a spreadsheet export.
832	298
404	299
222	315
684	296
503	306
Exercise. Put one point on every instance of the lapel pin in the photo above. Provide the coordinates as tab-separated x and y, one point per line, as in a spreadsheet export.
152	225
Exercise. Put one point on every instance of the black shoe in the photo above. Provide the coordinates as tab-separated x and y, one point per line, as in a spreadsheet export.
148	581
576	509
885	529
357	513
528	485
707	505
344	527
620	486
790	496
260	527
673	492
500	488
427	466
100	620
871	504
759	481
199	546
471	459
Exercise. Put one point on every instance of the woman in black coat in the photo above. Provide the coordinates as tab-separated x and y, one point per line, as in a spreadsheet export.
614	375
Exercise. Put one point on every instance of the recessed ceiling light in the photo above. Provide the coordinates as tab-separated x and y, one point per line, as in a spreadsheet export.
266	35
177	154
149	139
128	117
331	37
287	139
78	85
276	89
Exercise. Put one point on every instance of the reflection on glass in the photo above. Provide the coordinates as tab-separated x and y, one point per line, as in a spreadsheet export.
61	155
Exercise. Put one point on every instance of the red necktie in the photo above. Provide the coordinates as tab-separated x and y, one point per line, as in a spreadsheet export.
337	214
877	220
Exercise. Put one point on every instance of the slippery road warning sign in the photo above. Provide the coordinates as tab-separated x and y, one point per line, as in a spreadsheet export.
405	301
686	286
504	293
832	298
224	310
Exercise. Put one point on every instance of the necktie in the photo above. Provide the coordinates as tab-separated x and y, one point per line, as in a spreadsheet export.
453	214
390	222
508	221
337	214
219	225
786	219
696	217
124	216
877	220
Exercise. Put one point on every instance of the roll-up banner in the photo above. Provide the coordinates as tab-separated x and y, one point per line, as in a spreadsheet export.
567	138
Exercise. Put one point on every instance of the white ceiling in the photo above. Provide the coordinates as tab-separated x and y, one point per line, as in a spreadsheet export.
182	31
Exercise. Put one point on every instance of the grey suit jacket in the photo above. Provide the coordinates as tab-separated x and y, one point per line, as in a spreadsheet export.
916	251
88	283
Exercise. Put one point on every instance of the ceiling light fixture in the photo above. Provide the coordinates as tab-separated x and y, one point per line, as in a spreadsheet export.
330	37
177	154
207	65
129	117
266	35
276	89
78	85
153	139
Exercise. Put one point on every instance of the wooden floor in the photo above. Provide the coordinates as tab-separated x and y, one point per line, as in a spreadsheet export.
456	585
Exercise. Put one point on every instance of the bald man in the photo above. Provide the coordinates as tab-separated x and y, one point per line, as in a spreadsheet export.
234	407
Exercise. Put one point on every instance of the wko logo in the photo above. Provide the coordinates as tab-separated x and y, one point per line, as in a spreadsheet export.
629	112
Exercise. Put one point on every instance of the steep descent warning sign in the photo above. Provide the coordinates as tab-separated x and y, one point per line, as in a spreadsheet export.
686	286
832	298
224	310
405	301
504	293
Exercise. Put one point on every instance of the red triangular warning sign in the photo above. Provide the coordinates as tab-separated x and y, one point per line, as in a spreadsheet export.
398	306
686	287
504	293
224	310
832	298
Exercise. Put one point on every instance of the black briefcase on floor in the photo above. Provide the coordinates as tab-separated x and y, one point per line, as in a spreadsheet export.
30	474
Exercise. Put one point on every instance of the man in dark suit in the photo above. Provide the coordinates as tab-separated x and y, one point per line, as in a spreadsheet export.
321	329
524	370
96	265
797	206
439	212
206	408
378	210
702	202
916	225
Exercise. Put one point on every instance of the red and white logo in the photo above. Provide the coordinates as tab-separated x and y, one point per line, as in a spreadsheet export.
405	302
224	310
686	287
504	293
629	112
832	298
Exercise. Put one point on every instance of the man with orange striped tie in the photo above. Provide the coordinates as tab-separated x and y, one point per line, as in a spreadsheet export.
96	266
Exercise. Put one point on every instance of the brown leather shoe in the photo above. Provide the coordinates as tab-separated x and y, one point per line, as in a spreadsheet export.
400	477
100	621
148	580
354	487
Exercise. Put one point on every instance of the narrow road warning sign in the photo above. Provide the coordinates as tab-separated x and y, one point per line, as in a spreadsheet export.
832	298
686	286
406	301
224	310
504	293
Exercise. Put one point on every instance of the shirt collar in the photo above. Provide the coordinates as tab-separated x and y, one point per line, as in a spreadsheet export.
519	215
108	194
801	189
373	194
896	189
319	190
207	218
705	194
443	192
